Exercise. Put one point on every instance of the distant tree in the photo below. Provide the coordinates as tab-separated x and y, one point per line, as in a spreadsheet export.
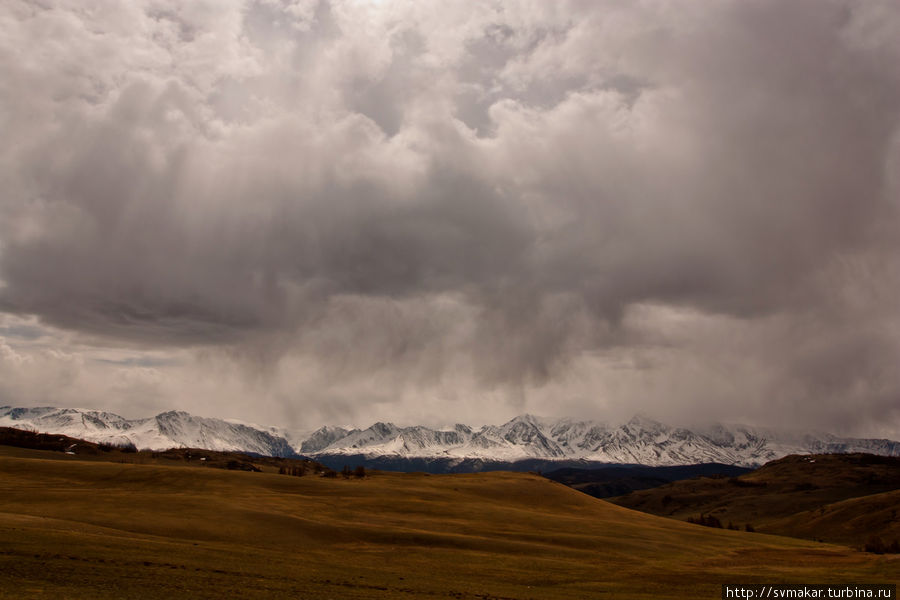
706	521
805	487
347	472
282	470
360	472
894	548
749	527
875	545
331	474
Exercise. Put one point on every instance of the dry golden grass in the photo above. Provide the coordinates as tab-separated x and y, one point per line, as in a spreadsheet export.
844	499
850	522
80	529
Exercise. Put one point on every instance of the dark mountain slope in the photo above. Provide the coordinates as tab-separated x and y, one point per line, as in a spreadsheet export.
842	498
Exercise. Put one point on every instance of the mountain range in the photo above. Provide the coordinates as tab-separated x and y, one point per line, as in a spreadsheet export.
640	440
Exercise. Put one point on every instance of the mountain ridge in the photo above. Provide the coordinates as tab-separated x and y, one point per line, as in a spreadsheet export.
641	440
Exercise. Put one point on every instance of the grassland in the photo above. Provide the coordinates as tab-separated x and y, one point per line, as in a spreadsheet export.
844	499
73	528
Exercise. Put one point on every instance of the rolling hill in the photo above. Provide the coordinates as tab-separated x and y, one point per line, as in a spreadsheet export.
844	499
78	528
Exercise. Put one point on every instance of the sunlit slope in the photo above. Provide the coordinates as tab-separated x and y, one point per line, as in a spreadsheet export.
91	529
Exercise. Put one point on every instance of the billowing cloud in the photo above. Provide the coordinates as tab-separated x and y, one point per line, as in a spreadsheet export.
303	211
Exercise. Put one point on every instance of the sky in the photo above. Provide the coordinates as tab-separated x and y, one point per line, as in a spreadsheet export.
300	212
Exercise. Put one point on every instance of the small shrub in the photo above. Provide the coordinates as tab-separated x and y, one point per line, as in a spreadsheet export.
359	472
236	465
874	545
749	527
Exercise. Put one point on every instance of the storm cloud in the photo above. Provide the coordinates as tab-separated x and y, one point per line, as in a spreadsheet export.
309	211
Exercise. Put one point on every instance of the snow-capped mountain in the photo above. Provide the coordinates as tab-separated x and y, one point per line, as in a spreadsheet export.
173	429
639	441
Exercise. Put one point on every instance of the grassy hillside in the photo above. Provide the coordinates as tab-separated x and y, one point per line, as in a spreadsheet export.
848	522
91	529
844	499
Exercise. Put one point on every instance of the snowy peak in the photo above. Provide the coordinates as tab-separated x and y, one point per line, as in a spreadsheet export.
642	424
322	438
641	440
527	433
377	434
216	434
172	429
387	438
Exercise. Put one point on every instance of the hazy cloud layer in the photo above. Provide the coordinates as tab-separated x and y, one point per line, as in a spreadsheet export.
309	211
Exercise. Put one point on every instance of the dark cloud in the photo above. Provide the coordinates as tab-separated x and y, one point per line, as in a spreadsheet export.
587	208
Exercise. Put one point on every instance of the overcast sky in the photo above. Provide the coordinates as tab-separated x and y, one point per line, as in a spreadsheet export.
300	212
